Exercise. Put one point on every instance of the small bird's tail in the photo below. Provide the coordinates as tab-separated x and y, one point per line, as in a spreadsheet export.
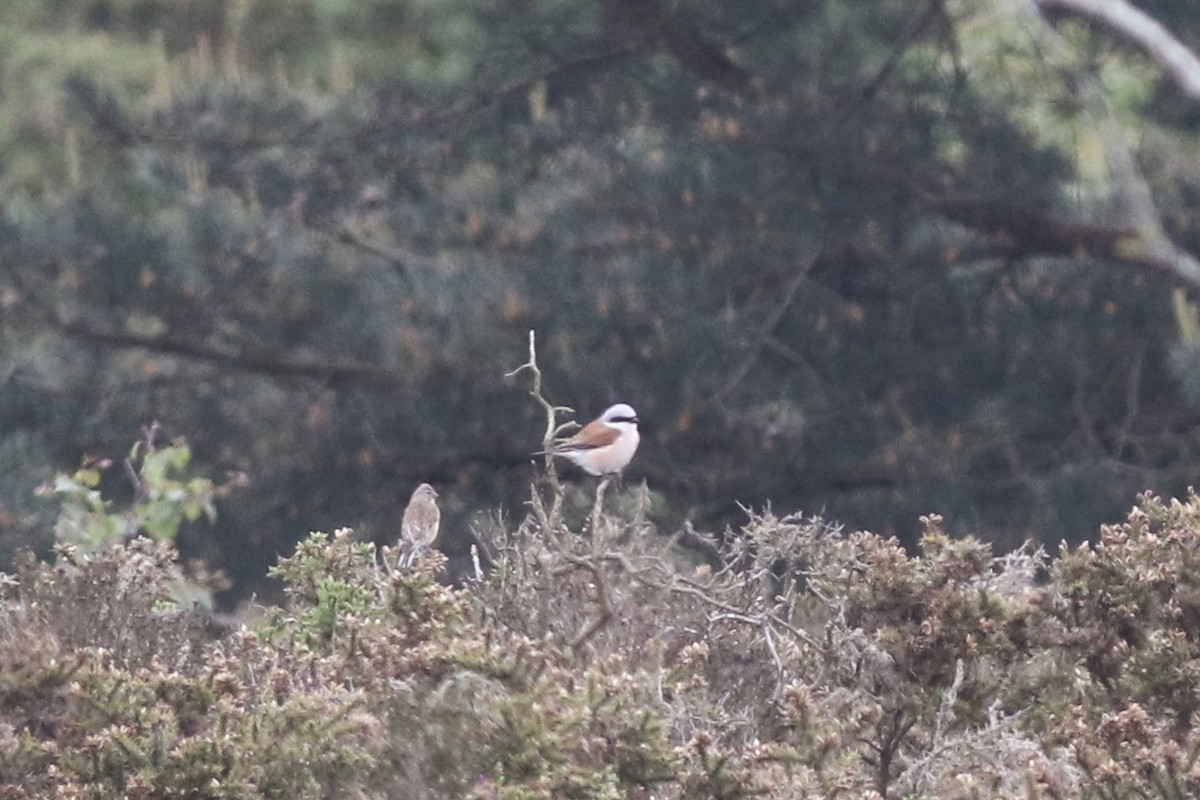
562	449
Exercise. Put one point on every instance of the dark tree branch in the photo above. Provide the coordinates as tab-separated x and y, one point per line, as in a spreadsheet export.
332	372
605	610
1150	244
767	329
889	64
401	259
1133	390
1031	232
651	24
569	70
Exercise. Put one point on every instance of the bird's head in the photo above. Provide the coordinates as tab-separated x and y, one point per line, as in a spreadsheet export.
620	416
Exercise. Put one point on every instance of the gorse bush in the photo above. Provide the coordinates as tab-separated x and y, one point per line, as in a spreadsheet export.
807	662
1125	614
597	660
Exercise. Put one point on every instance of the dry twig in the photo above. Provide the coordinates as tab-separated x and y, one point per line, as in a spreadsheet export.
553	430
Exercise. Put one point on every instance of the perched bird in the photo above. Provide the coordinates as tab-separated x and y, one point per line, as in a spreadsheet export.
419	528
605	445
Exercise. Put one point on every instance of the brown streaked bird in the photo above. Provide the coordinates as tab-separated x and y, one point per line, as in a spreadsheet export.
419	528
604	446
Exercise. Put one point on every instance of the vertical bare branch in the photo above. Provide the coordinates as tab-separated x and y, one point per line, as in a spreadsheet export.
598	507
553	428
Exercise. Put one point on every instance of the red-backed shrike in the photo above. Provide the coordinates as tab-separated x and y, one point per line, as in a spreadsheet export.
605	445
419	528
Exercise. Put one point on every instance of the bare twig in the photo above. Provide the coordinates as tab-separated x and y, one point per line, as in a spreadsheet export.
598	507
381	557
144	447
945	713
475	563
684	586
553	428
918	773
602	600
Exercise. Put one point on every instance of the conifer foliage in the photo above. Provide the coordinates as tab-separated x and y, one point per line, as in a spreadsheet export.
870	257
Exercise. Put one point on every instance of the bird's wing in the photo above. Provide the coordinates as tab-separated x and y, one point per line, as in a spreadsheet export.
594	434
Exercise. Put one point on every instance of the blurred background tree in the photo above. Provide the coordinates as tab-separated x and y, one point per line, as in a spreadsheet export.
874	258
